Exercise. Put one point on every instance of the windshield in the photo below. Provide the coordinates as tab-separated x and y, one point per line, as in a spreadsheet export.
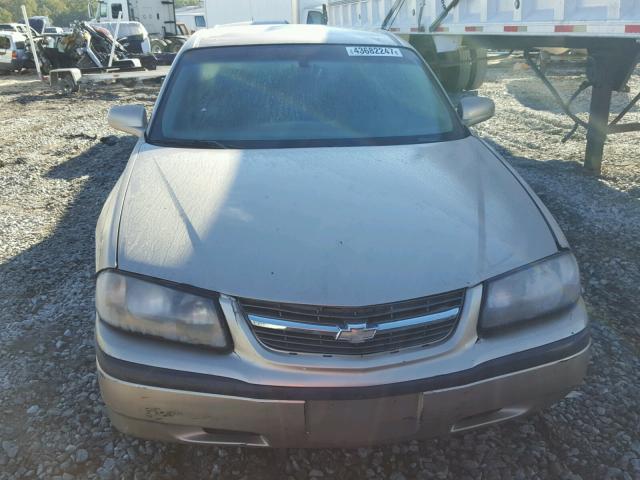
302	95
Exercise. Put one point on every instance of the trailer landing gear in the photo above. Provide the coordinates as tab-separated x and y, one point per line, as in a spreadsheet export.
607	71
597	126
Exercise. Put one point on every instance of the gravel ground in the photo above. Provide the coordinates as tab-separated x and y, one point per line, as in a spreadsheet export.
56	169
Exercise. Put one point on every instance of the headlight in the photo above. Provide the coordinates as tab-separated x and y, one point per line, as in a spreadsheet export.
141	306
536	290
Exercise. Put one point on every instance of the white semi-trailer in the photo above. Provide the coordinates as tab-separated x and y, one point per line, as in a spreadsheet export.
219	12
451	24
452	36
514	17
157	16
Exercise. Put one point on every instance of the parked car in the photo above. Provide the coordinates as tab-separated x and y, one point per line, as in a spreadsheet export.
12	27
16	27
13	54
309	247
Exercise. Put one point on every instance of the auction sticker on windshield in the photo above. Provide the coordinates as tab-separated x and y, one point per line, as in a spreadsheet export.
373	52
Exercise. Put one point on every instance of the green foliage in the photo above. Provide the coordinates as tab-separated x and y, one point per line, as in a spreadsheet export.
186	3
61	12
5	15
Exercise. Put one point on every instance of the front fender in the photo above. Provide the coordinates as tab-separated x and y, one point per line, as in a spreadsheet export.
109	219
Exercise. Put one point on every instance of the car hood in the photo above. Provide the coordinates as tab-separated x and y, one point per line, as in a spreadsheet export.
328	226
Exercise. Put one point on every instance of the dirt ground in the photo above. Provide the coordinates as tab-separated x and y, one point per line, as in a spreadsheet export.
59	160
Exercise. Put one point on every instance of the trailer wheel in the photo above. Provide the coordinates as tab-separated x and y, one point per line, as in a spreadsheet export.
478	68
454	69
158	46
66	84
45	66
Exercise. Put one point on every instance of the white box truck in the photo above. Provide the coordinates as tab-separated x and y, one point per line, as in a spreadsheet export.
192	17
219	12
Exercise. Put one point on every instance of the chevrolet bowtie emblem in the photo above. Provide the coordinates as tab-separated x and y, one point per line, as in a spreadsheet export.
356	333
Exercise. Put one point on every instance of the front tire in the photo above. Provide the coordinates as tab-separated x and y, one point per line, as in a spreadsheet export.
478	68
66	85
455	69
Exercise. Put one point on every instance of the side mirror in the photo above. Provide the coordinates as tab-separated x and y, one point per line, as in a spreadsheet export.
474	110
130	119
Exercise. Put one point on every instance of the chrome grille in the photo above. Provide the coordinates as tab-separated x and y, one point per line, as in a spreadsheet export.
354	331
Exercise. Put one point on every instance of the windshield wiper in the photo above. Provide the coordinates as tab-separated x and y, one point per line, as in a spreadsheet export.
195	144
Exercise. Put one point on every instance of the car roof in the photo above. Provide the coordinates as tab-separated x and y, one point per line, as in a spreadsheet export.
10	25
274	34
17	36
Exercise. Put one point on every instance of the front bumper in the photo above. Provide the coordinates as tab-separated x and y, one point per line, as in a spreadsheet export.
260	397
171	405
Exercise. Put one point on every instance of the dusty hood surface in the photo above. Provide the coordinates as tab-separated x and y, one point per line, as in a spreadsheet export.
330	226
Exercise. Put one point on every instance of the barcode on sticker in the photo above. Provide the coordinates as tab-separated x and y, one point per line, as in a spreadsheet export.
373	52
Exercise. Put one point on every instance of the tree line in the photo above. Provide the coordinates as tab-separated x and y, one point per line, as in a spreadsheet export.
61	12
